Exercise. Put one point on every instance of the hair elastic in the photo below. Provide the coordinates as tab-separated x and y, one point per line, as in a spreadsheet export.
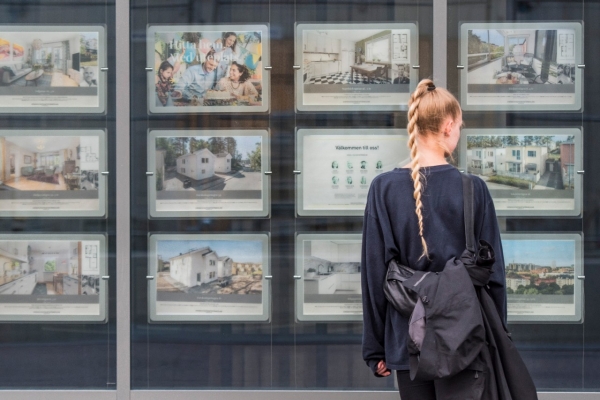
430	87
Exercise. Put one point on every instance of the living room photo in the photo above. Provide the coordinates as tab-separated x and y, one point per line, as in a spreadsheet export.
49	59
48	163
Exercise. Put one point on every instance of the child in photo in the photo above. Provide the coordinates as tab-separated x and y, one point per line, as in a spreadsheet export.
163	85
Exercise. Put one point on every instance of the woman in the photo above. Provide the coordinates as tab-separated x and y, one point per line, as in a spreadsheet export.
227	45
238	84
424	239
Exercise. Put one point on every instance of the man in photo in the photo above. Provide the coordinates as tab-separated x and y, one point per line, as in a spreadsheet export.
89	77
198	79
363	165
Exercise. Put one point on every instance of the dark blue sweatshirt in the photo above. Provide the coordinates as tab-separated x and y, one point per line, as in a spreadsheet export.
391	230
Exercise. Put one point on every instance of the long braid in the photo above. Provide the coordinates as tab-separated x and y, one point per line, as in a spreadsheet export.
413	131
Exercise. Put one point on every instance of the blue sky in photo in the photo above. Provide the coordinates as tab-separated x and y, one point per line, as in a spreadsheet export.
540	252
494	36
238	250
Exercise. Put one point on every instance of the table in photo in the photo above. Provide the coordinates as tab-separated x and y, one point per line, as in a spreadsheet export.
34	76
369	70
510	78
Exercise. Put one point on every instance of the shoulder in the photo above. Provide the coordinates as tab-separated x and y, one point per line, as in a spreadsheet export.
480	188
385	179
385	187
194	69
223	81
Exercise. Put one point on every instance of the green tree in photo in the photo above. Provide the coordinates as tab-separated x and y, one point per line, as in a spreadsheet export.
197	144
50	266
165	144
255	158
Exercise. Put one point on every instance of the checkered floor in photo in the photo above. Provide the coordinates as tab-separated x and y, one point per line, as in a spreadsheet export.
345	78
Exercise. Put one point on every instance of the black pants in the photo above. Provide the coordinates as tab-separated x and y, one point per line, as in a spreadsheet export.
414	390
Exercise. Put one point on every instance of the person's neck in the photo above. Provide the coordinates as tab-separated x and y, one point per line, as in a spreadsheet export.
430	154
429	157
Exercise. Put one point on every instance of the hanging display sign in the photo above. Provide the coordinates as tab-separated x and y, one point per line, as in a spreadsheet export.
521	66
53	278
53	173
208	68
209	277
52	69
329	288
544	275
217	173
528	171
337	167
356	67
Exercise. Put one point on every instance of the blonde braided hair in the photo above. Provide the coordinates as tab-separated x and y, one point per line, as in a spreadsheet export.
428	107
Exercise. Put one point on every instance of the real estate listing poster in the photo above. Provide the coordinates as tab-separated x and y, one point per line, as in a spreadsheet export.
355	67
52	69
528	171
209	277
338	165
216	173
52	173
521	66
208	68
329	266
54	278
543	273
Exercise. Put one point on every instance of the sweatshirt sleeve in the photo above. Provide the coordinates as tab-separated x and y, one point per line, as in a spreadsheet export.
373	270
490	232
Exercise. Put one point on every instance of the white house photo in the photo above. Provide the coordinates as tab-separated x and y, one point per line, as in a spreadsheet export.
526	162
202	164
199	266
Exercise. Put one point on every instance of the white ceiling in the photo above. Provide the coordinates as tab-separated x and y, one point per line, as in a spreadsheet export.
351	35
45	143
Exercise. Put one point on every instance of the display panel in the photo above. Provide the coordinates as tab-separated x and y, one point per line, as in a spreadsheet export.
218	173
52	69
209	277
329	266
53	278
362	67
53	173
542	276
338	165
208	68
521	66
529	171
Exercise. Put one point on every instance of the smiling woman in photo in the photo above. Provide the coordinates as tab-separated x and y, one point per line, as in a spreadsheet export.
238	83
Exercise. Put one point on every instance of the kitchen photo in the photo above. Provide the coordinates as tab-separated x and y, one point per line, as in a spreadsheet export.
49	163
347	67
355	57
331	267
49	268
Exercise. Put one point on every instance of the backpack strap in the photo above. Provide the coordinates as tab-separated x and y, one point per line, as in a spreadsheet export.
468	211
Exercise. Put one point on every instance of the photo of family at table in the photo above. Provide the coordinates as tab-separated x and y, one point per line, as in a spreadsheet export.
217	68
